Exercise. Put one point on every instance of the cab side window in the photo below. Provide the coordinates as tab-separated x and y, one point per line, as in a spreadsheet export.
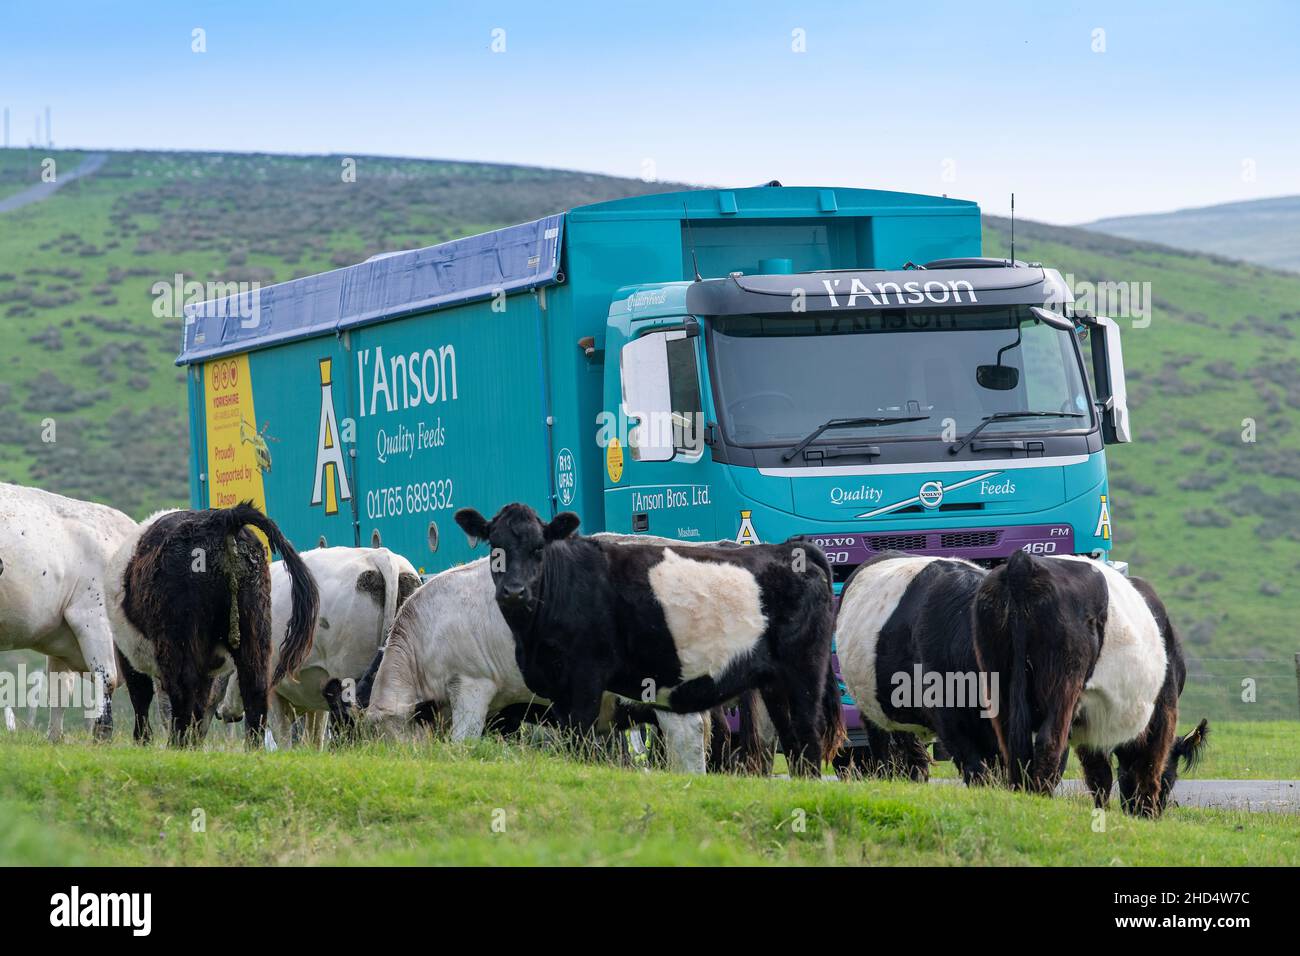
684	394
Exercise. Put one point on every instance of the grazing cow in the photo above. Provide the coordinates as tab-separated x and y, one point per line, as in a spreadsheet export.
451	648
907	655
189	596
699	624
361	590
1083	659
53	554
1096	764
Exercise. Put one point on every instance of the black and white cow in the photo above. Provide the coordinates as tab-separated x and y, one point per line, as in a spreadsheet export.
698	625
1084	657
450	654
1187	750
903	635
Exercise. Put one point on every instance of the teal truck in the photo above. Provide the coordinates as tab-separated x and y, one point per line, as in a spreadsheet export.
746	364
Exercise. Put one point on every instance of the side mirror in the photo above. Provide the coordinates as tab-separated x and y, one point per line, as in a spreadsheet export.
1054	319
999	378
1108	372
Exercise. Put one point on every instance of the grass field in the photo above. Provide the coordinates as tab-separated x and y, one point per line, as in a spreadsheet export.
503	803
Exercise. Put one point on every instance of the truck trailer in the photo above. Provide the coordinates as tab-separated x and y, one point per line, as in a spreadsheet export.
747	364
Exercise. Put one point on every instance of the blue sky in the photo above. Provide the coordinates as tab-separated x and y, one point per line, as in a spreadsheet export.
1189	104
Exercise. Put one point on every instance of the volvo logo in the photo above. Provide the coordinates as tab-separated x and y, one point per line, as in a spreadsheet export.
931	494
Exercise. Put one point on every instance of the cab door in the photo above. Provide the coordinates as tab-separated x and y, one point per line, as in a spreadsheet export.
660	482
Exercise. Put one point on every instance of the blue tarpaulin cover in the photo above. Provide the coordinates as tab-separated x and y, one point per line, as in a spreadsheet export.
402	283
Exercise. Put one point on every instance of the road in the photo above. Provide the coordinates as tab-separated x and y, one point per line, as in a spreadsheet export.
45	190
1257	796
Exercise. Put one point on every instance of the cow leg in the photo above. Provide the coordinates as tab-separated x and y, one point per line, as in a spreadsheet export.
1050	742
59	678
470	699
253	659
778	711
181	694
280	718
1097	774
85	615
165	714
1142	763
804	686
140	689
684	739
253	681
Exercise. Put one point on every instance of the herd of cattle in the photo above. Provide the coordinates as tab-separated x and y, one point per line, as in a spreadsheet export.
593	632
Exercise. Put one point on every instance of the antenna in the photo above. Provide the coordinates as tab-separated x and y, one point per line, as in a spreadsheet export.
690	241
1013	230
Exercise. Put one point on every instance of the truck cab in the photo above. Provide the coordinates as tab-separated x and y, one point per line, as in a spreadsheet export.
948	409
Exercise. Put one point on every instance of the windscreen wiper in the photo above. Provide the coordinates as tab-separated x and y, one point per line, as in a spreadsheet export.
1004	417
849	423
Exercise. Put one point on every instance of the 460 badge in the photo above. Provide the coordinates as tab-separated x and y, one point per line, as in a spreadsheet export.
391	502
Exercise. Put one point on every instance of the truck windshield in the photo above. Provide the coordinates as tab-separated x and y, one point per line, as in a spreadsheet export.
779	377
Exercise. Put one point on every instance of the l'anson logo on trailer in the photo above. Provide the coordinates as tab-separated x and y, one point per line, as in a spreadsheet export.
331	477
406	381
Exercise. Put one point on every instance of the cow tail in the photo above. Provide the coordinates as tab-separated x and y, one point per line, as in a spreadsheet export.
305	597
1019	722
385	562
833	732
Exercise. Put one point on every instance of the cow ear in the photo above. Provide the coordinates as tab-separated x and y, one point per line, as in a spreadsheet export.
562	525
474	525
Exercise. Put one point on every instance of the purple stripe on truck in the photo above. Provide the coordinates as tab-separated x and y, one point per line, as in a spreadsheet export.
970	543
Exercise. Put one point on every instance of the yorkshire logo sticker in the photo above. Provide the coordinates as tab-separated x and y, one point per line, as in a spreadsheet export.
1103	520
331	477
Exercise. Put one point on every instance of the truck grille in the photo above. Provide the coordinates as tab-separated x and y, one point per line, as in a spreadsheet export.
970	539
898	542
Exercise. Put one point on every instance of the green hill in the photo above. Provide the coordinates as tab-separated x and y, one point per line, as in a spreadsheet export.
1213	521
1263	231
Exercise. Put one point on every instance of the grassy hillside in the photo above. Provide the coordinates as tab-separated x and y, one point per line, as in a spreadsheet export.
79	342
1212	521
504	804
1263	231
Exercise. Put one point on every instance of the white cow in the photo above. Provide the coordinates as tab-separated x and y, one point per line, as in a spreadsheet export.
451	646
360	591
53	557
